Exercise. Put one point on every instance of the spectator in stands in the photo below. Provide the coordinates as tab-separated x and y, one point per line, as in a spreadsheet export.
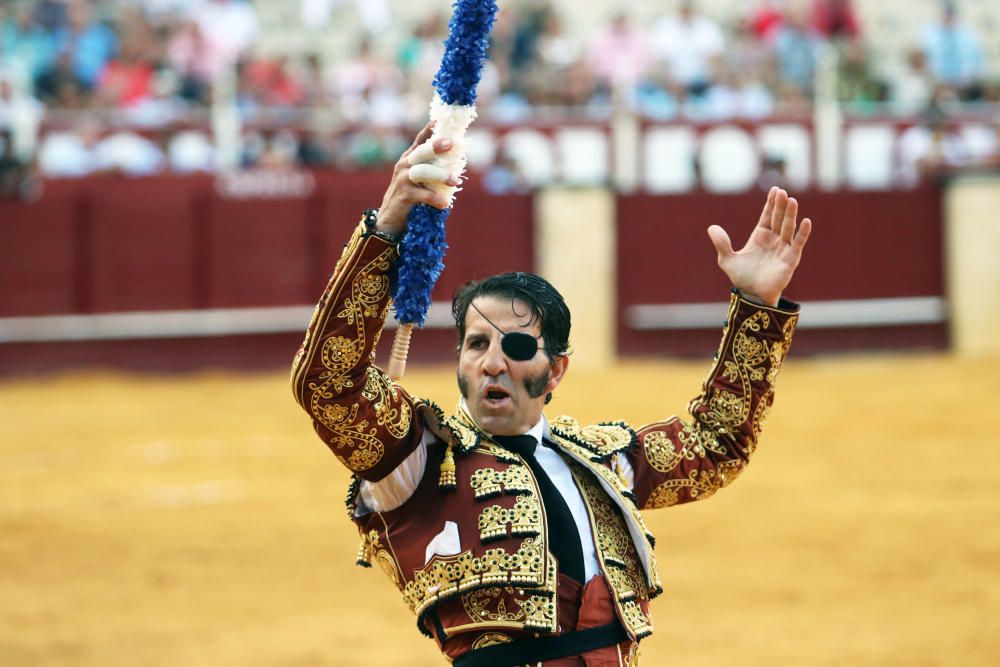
912	87
59	87
688	43
364	81
765	18
795	46
747	54
14	174
857	84
619	56
26	47
51	14
835	19
735	95
954	52
188	54
931	148
89	43
127	79
228	28
273	83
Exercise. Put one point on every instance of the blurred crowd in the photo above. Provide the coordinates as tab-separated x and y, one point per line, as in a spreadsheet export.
158	68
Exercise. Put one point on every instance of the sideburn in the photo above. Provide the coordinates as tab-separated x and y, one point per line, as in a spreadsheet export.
536	385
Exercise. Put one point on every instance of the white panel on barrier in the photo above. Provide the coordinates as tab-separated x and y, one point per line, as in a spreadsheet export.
980	140
533	152
668	159
869	150
729	160
583	156
792	144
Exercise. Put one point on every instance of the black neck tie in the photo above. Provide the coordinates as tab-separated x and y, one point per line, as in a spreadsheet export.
564	539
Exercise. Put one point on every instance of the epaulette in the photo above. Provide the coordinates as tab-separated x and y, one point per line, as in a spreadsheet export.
603	440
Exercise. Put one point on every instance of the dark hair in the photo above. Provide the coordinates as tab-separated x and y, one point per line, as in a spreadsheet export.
546	303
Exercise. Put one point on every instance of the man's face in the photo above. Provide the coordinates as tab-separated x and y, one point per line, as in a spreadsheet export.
504	396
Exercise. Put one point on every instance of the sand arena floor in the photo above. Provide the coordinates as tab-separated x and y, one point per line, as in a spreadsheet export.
197	521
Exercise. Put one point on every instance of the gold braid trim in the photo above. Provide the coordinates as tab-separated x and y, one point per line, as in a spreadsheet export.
444	577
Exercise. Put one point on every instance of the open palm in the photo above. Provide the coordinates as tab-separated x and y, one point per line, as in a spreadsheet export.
764	266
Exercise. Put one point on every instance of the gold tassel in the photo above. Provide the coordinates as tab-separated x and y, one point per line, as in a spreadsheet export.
447	480
364	558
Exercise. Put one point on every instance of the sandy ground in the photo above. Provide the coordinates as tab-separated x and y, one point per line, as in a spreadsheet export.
198	521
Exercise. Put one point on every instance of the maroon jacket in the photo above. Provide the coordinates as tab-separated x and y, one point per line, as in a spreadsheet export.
502	582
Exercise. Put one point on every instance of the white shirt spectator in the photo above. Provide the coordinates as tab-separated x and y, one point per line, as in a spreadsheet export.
687	44
228	27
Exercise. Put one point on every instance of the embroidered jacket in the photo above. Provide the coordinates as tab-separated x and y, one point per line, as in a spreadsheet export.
501	581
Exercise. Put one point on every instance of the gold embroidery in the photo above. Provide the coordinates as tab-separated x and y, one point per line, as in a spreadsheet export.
700	484
632	660
463	429
499	453
660	451
447	480
727	410
626	582
662	496
637	622
365	549
540	612
388	566
615	548
490	639
445	576
524	518
489	482
488	605
383	394
600	439
340	355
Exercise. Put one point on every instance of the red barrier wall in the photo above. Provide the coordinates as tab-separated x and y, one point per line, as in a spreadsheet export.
113	244
864	245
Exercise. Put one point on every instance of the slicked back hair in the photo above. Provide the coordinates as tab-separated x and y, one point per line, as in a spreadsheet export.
547	306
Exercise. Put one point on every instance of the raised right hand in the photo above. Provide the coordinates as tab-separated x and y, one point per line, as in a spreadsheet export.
409	182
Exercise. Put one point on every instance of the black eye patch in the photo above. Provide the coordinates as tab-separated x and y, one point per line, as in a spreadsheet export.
519	346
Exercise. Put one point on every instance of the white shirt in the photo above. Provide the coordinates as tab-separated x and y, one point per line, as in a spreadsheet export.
396	488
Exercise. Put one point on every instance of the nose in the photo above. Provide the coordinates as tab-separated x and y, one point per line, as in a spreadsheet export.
494	361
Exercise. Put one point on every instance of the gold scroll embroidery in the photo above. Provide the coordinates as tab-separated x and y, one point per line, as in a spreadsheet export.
489	605
660	451
490	639
340	355
700	484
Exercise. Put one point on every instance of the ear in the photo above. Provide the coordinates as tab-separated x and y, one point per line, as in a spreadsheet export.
557	370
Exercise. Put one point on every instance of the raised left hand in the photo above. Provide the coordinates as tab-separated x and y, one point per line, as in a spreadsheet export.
764	266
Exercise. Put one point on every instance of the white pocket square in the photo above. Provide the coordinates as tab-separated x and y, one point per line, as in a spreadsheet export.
445	543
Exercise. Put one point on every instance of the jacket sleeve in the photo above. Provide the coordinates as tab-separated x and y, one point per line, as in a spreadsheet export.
363	416
678	461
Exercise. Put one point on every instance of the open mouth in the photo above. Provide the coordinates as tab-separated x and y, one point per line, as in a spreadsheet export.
495	395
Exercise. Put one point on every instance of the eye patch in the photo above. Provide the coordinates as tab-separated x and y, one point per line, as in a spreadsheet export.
519	346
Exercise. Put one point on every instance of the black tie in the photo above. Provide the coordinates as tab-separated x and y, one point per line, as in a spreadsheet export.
564	539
